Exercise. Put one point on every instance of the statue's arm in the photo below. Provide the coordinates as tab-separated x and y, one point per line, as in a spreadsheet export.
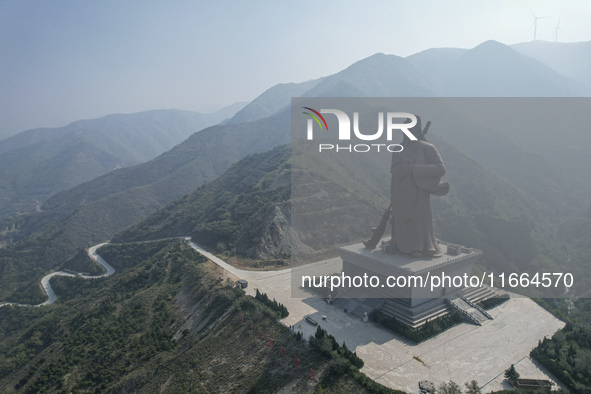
437	170
433	167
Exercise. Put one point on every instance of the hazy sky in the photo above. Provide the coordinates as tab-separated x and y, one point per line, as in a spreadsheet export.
61	61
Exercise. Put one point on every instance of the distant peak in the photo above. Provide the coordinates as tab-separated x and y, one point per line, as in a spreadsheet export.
376	55
492	48
377	58
491	44
380	56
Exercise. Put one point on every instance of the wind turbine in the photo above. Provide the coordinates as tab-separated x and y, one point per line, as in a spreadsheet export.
556	29
535	23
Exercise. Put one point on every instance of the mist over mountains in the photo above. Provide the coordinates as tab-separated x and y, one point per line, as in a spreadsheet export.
39	163
492	69
96	210
568	59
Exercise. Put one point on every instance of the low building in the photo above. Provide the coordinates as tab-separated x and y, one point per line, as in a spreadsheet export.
532	384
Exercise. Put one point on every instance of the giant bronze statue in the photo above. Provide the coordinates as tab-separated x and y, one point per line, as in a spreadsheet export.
416	175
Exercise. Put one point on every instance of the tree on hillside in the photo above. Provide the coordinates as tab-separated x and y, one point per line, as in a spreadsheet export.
320	333
511	374
449	388
473	388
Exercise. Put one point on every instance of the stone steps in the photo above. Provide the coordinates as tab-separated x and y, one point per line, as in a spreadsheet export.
477	294
418	315
470	311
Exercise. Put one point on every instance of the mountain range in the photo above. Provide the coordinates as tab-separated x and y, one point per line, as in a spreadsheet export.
98	209
36	164
568	59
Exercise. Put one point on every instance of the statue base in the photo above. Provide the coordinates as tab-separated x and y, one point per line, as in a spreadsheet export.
423	296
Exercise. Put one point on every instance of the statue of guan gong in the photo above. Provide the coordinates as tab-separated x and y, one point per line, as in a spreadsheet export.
416	175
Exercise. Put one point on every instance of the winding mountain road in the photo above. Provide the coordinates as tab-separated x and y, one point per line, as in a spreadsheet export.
51	296
109	270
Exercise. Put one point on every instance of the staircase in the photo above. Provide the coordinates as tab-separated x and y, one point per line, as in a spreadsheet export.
477	307
466	302
470	311
477	294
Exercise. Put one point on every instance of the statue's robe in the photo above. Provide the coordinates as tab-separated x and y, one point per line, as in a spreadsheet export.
416	174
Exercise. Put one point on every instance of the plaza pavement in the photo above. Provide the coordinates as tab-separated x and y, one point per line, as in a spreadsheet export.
462	353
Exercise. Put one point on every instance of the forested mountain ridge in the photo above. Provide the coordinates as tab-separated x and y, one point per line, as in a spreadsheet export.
36	164
164	322
247	210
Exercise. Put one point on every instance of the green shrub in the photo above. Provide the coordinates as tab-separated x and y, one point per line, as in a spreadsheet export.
274	305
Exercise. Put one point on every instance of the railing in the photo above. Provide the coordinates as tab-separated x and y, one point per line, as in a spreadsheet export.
477	307
453	305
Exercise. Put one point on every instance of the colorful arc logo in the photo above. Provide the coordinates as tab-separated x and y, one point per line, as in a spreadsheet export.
316	118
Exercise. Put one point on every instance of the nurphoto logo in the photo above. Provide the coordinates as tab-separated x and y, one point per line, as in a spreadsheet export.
344	130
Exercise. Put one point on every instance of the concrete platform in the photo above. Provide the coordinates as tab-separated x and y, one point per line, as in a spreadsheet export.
462	353
359	254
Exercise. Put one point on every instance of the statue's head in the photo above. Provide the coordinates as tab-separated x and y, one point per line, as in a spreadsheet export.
417	130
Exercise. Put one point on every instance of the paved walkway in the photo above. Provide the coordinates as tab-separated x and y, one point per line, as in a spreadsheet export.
462	353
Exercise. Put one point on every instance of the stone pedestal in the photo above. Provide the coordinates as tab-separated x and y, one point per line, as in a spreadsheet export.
417	301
